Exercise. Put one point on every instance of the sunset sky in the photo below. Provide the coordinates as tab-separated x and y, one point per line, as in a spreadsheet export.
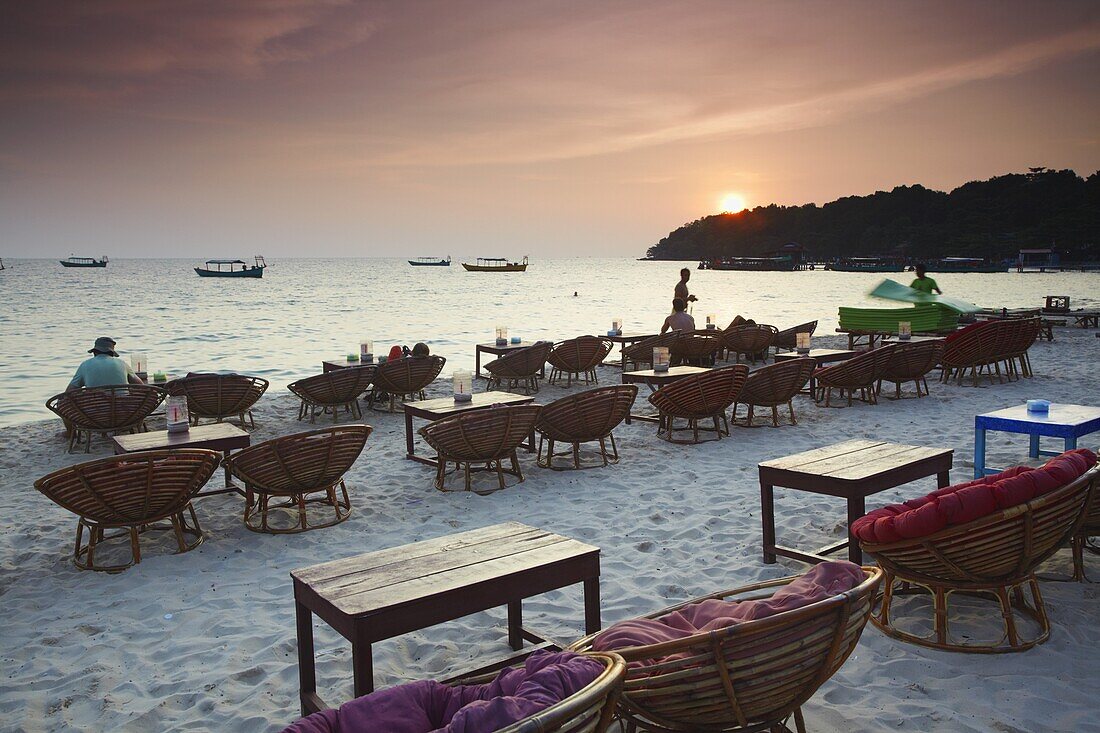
511	127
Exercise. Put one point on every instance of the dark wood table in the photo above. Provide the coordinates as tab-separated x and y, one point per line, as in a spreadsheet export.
821	356
655	380
331	365
220	436
851	470
379	595
855	337
499	350
624	340
446	406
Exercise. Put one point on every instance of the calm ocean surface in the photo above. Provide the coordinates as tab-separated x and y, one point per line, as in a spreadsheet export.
282	326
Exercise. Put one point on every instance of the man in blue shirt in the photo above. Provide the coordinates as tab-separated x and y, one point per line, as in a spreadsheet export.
104	369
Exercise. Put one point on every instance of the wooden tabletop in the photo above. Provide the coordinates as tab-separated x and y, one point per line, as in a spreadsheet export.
444	406
870	465
649	375
493	347
218	436
819	354
342	362
626	338
430	571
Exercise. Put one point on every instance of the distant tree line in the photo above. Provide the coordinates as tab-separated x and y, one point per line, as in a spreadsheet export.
991	219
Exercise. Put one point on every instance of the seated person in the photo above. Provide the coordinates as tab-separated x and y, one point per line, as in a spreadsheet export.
679	320
421	350
104	369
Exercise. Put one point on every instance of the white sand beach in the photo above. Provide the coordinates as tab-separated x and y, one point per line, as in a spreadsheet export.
205	640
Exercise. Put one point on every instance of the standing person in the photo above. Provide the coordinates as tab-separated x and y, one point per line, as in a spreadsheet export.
679	320
104	369
923	283
681	290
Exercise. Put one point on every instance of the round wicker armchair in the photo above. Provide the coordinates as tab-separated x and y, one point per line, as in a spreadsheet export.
911	362
995	555
219	396
484	437
402	378
518	368
704	396
774	385
752	340
104	410
983	347
302	469
333	391
695	348
575	357
584	417
640	353
862	372
134	493
752	676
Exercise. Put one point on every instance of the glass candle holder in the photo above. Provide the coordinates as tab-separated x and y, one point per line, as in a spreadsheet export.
366	350
712	322
502	335
176	414
463	384
905	330
139	363
802	343
660	359
617	326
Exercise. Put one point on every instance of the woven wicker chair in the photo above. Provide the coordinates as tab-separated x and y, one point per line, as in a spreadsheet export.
1090	527
703	396
774	385
293	468
752	340
862	372
751	676
695	348
640	353
333	391
911	362
219	396
583	418
788	337
576	357
518	368
105	410
983	348
485	436
994	556
134	493
402	378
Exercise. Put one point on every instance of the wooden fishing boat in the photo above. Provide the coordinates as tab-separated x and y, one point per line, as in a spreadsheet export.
228	268
84	262
867	264
431	262
750	264
496	264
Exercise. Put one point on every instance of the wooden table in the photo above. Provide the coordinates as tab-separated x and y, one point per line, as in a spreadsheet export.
655	380
331	365
382	594
624	340
852	470
446	406
821	356
854	336
501	350
1068	422
220	436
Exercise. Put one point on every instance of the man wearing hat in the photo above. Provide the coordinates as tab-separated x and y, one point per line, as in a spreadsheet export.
104	369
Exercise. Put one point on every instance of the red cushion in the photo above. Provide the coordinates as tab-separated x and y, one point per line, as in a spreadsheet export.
975	325
966	502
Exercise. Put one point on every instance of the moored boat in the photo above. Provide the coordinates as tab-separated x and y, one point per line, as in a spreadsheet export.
965	264
84	262
496	264
752	264
219	269
867	264
431	262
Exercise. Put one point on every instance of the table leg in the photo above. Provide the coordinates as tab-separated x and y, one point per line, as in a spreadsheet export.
979	452
410	449
307	671
1033	447
592	622
857	507
943	479
228	480
362	665
1071	443
767	521
515	625
477	362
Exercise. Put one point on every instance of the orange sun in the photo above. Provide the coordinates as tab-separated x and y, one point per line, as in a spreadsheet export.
733	203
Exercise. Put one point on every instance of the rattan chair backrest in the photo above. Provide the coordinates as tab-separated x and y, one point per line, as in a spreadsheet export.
588	415
481	435
107	408
300	463
338	387
218	395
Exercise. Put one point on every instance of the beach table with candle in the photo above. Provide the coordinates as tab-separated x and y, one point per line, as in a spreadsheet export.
436	409
1068	422
655	380
331	365
821	356
624	340
868	338
221	436
499	350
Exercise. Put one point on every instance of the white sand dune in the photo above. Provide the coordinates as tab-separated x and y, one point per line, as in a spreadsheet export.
205	641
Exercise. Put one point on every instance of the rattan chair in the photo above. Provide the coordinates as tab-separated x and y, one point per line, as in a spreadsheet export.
695	348
752	340
640	353
403	378
703	396
911	362
583	418
333	391
751	676
995	555
788	337
774	385
983	348
576	357
133	492
862	372
519	368
1090	527
302	469
484	437
105	410
219	396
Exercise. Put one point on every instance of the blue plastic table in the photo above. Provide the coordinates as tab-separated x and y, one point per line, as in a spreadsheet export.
1068	422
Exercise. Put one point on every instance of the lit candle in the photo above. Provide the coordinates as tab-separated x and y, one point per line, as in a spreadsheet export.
660	358
463	385
175	411
905	330
617	326
711	321
802	342
502	335
366	350
139	363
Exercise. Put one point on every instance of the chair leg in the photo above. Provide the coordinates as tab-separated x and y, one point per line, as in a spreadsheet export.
790	406
576	455
515	466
